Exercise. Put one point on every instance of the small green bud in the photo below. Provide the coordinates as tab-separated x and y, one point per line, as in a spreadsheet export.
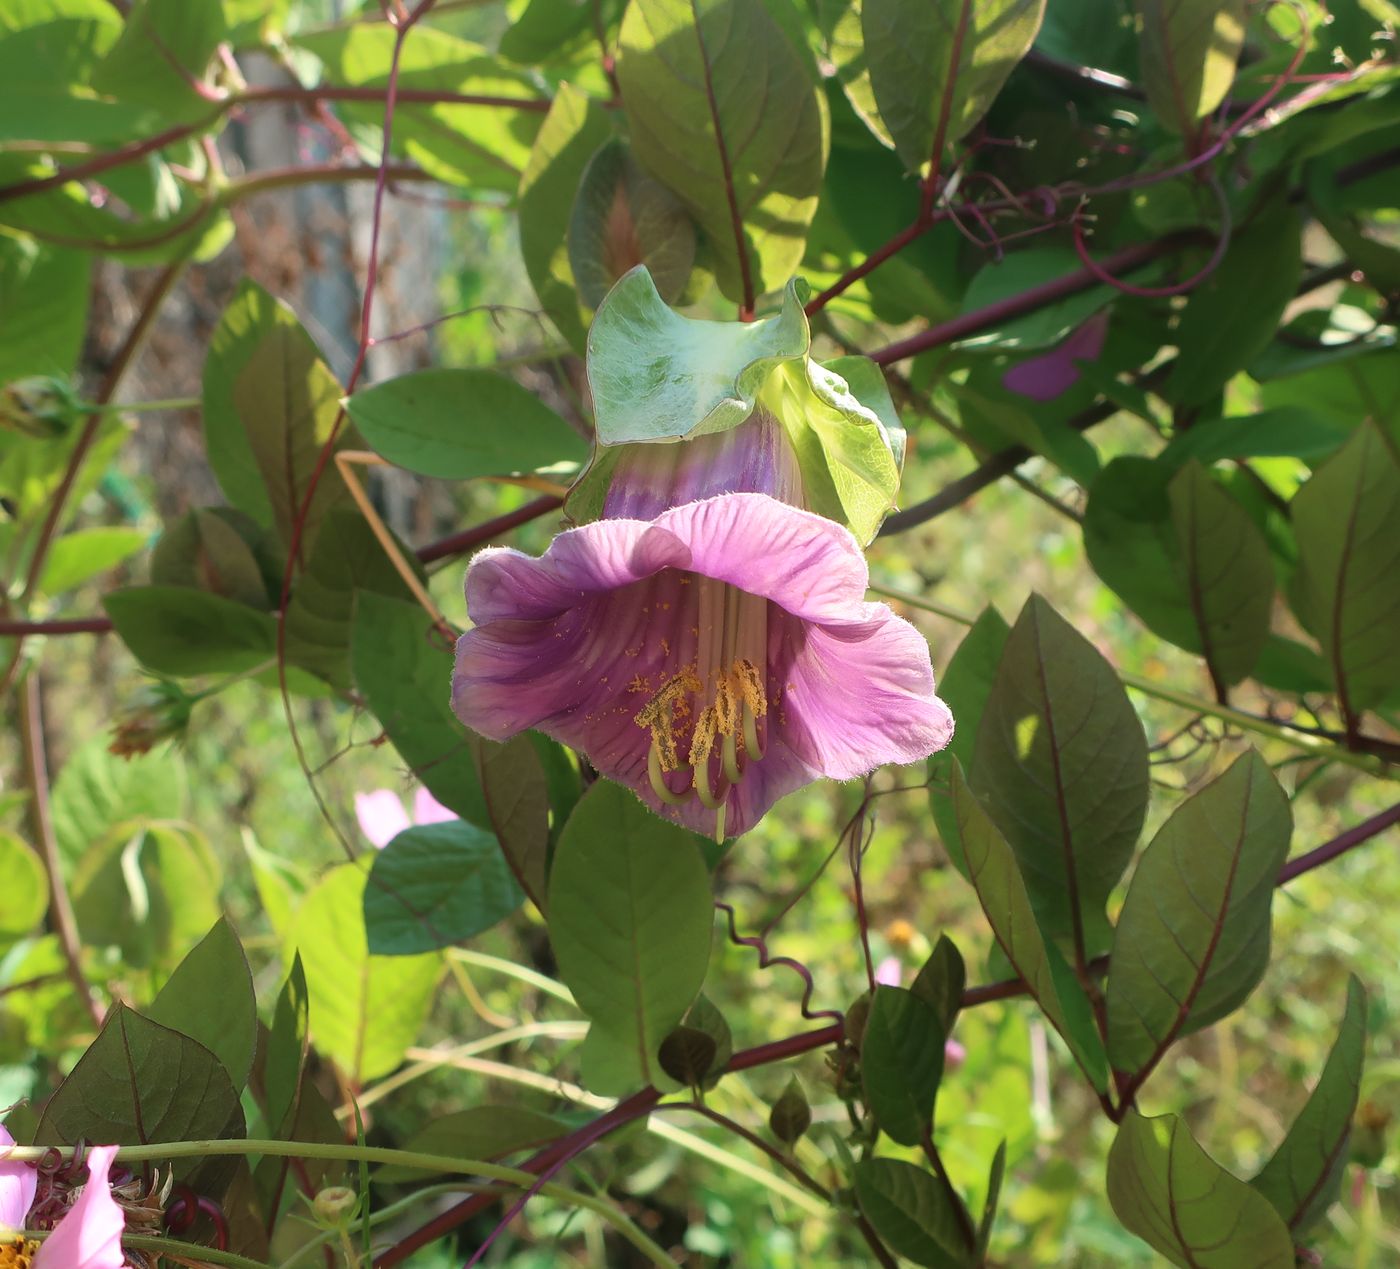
334	1207
38	406
159	711
791	1116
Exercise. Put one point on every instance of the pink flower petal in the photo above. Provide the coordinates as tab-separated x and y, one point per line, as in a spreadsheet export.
575	642
1054	373
381	815
888	971
18	1182
90	1235
428	810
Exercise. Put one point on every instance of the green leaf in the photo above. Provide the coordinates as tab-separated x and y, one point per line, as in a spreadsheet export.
150	889
79	556
1188	52
1173	1195
1193	938
138	1083
348	560
1001	889
543	30
284	1059
688	1055
172	630
964	687
700	81
461	424
460	143
657	375
43	307
1285	430
901	1063
269	405
402	666
210	998
515	788
163	53
365	1010
1230	318
989	1208
1348	583
26	889
629	918
479	1132
572	133
215	549
435	885
912	1212
1033	266
935	68
95	791
1304	1175
845	45
791	1114
1061	760
621	218
941	980
1184	556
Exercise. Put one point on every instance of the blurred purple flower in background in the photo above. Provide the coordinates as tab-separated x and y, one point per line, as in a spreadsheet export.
1054	373
382	815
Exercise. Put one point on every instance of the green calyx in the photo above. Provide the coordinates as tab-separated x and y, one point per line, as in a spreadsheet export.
658	377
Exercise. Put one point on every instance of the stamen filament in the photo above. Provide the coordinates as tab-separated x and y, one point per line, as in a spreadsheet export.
705	793
729	751
751	745
658	778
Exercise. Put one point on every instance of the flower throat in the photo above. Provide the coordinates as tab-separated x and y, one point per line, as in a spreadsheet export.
704	718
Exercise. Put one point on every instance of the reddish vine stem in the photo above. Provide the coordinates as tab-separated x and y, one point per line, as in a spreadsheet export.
75	625
1037	297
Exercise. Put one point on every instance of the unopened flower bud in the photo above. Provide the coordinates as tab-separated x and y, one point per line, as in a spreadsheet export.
38	406
334	1206
159	711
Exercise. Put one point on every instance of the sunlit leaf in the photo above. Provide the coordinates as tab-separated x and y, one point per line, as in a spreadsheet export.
26	889
151	890
621	218
935	67
457	424
1188	50
723	112
573	131
364	1010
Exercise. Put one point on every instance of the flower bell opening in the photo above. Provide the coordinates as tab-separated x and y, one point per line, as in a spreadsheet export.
705	717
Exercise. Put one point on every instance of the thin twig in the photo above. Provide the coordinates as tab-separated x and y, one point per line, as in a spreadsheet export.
36	771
